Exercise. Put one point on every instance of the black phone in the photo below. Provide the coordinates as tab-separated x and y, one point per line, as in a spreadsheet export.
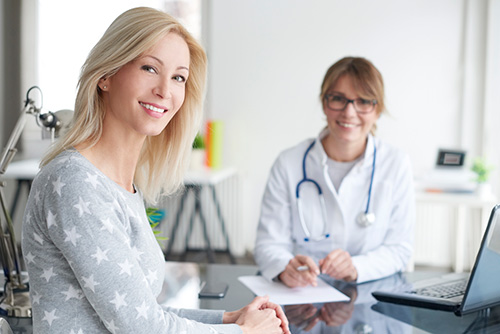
215	290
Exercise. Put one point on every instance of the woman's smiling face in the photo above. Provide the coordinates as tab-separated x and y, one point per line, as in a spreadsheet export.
347	125
145	94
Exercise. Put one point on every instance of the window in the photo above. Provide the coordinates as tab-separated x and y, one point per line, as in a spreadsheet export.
69	29
65	33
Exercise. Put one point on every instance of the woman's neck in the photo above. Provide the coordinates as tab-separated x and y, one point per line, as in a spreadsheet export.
117	159
342	152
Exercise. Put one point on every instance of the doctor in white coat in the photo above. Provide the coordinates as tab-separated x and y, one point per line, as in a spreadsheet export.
341	204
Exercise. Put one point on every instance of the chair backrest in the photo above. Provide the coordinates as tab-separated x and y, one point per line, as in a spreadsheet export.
5	327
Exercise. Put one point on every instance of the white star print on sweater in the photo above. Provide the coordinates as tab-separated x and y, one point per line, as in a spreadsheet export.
93	262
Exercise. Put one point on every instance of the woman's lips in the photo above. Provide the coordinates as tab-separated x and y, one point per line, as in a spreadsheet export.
153	107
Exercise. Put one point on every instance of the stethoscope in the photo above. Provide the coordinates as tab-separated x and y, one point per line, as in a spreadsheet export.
364	218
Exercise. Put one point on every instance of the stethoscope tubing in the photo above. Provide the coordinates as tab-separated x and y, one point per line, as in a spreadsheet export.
366	217
371	179
304	174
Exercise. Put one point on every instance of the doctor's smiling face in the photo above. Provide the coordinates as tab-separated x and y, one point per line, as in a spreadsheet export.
349	126
145	94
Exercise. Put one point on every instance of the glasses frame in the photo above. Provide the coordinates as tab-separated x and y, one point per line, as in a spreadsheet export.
373	101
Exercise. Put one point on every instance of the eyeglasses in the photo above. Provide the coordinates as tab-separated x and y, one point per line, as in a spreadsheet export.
339	103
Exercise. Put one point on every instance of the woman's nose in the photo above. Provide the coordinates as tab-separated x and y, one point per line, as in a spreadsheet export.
349	108
162	89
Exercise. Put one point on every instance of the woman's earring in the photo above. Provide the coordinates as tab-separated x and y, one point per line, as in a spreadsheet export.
104	87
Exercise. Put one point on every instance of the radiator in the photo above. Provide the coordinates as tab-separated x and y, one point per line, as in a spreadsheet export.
435	235
229	197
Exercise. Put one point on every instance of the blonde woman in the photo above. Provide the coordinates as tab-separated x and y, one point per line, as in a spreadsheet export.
93	261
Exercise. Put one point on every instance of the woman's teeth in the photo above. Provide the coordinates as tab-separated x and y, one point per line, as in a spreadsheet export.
150	107
347	125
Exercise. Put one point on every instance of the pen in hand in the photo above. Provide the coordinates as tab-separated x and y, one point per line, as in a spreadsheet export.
306	268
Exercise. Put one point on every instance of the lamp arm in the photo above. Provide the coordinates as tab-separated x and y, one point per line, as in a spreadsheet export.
16	298
8	247
10	149
10	255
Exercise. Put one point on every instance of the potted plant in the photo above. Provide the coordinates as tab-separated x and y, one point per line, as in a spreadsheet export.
155	217
482	170
198	154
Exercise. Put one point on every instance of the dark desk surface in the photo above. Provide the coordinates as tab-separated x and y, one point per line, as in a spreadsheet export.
362	315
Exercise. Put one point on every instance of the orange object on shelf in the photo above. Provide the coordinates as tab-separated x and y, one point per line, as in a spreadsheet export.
214	140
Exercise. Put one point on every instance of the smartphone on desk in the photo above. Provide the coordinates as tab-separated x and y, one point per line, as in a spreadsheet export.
215	290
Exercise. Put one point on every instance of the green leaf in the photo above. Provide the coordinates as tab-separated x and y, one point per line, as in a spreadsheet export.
155	216
198	142
482	169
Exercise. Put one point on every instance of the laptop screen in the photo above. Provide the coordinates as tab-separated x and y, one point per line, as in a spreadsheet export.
483	287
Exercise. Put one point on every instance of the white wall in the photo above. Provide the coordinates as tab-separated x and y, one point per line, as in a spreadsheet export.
268	58
492	87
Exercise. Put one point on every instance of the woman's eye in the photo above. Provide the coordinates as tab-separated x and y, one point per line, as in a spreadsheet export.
364	101
179	78
337	98
149	69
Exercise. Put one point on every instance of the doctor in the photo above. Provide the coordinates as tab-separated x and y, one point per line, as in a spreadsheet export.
341	204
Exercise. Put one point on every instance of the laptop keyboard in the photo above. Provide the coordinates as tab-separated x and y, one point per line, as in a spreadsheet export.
447	290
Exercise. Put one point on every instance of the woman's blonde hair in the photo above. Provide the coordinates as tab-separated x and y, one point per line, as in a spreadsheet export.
165	157
367	80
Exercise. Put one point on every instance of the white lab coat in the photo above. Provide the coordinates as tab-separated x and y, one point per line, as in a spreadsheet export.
377	251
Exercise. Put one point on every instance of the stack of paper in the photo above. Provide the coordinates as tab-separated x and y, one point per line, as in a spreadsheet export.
280	294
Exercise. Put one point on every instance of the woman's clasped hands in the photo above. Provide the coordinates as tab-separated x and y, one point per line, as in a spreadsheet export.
260	316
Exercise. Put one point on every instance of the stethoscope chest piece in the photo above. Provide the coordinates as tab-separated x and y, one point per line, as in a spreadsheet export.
365	219
363	329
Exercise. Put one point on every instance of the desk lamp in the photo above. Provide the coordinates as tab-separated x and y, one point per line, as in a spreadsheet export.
16	300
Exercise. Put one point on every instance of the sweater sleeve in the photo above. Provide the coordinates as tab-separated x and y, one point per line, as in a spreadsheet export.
80	253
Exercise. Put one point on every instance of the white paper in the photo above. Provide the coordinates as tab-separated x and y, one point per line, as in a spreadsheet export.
280	294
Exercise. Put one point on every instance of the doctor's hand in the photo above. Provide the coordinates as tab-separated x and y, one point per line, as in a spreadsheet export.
292	277
338	264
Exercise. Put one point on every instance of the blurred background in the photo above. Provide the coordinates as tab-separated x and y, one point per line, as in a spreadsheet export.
439	60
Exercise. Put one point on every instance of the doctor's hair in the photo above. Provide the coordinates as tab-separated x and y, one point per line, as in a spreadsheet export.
366	78
164	158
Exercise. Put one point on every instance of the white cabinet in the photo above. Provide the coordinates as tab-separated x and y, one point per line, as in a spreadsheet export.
449	228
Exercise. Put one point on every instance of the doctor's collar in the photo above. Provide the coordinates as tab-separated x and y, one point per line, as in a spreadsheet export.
366	159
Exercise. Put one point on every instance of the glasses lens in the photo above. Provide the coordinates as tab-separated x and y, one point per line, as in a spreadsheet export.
336	102
364	105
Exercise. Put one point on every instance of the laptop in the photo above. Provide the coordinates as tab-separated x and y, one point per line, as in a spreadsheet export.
460	293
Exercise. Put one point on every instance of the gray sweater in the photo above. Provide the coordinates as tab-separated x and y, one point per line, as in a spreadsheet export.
94	264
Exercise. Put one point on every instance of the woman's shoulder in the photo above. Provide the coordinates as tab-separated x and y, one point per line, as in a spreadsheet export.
69	169
394	157
69	163
389	149
296	151
290	157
